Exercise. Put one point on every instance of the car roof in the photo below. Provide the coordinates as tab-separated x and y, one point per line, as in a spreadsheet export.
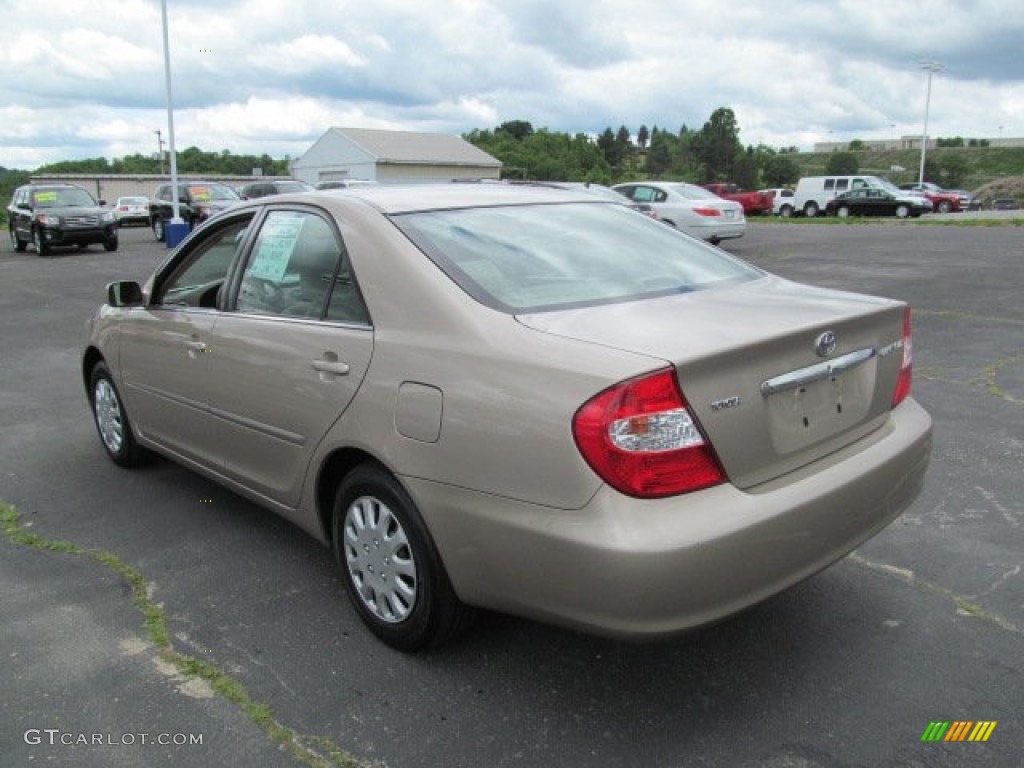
393	199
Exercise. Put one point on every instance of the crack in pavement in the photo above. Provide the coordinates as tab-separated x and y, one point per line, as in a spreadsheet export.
963	605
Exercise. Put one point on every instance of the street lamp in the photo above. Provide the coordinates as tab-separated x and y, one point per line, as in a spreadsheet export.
932	67
160	149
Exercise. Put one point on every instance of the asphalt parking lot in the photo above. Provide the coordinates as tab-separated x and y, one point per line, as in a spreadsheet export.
924	623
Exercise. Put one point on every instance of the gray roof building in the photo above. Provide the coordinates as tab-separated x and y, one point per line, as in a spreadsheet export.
393	157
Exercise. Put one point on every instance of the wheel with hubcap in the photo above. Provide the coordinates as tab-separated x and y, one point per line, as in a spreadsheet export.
786	211
811	210
843	212
389	563
945	206
159	231
111	420
902	211
17	243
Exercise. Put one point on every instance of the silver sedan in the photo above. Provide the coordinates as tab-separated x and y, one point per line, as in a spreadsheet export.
528	400
689	208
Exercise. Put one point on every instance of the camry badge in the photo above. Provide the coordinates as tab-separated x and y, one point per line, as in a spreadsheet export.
825	344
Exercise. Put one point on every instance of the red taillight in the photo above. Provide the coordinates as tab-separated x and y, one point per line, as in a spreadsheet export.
707	211
640	438
907	364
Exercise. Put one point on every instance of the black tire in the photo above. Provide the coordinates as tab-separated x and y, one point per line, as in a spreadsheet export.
17	243
902	211
945	206
110	244
391	568
159	229
811	210
786	211
37	240
111	420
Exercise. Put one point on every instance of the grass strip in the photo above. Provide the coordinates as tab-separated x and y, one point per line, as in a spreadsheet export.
314	751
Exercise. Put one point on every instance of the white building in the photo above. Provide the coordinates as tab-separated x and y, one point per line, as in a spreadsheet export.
393	157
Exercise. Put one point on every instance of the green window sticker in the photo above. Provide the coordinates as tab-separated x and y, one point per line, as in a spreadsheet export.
276	245
200	194
45	197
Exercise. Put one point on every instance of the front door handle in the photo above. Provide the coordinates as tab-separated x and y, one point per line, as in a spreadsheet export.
195	348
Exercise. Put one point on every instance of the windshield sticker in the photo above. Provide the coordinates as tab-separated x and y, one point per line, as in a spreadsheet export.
45	197
201	194
277	242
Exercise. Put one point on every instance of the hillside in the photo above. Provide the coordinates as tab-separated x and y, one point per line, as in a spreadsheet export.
984	166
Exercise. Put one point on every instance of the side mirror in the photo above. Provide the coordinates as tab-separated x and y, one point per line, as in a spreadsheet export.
127	293
102	202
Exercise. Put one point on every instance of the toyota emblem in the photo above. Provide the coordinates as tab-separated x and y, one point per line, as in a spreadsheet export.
825	345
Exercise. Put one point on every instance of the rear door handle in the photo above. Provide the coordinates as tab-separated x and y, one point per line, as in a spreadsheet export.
335	366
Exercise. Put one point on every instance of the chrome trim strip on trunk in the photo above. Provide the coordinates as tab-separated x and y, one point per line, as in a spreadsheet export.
817	372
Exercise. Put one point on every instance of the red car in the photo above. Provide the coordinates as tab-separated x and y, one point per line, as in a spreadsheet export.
942	201
754	203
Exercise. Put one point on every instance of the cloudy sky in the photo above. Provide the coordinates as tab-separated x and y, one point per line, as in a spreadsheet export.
85	78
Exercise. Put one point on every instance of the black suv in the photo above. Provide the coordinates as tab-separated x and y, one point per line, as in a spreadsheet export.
59	214
197	201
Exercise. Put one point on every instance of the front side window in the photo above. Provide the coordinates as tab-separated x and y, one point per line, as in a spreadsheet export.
197	279
542	257
298	268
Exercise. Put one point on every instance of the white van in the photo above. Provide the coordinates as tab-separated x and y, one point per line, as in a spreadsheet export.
813	192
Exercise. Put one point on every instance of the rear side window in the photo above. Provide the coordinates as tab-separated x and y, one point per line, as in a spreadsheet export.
545	257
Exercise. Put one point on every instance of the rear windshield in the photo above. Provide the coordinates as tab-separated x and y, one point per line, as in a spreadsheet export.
534	258
691	192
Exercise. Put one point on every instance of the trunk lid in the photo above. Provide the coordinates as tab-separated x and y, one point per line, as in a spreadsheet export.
755	367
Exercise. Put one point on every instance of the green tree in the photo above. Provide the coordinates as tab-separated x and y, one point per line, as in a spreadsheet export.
606	142
745	169
842	164
780	170
659	157
517	129
642	137
954	169
717	145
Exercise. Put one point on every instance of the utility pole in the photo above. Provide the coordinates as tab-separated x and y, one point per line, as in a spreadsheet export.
932	67
160	149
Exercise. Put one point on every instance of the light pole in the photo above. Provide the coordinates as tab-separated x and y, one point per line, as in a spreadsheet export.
932	67
160	149
174	231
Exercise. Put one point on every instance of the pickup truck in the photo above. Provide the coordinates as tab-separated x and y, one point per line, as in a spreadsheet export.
754	203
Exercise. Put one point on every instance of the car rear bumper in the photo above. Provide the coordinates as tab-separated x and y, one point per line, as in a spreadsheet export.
651	568
717	230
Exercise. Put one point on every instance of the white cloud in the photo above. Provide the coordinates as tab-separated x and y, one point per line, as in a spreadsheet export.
86	78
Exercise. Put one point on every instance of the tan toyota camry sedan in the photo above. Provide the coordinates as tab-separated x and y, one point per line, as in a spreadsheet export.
523	399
